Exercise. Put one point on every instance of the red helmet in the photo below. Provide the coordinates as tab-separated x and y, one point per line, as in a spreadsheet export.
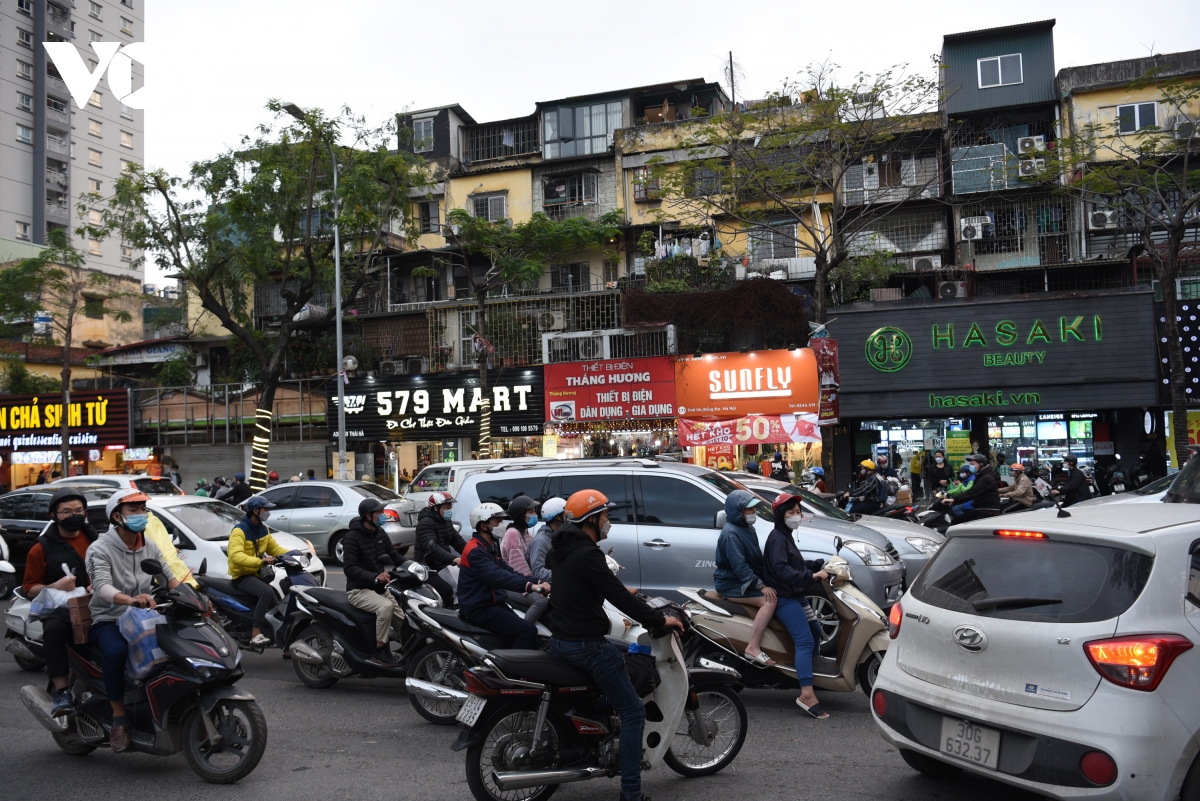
782	500
439	498
273	474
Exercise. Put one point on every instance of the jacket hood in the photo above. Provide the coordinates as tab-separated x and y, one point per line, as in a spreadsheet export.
356	524
251	530
735	504
111	539
568	539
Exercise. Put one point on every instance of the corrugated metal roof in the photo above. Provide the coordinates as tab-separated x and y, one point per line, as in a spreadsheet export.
1046	23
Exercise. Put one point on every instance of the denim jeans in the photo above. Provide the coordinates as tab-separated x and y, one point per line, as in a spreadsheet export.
108	639
606	665
805	633
503	621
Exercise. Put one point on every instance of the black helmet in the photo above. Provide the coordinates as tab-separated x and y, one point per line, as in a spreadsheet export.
370	506
1072	458
519	507
978	458
64	494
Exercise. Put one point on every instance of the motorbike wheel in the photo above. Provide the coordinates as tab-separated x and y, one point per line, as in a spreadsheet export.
829	621
506	734
243	731
72	748
928	765
8	583
720	706
316	676
437	664
30	665
868	672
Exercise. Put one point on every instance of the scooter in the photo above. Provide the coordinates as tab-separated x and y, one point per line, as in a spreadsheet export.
24	635
8	574
533	721
234	609
189	703
723	630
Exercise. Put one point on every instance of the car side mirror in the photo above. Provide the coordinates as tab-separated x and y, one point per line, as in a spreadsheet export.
203	567
719	519
837	545
151	567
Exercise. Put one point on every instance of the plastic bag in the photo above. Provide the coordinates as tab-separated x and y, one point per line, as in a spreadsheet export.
50	599
139	628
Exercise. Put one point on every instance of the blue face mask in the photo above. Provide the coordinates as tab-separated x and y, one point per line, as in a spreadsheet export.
449	513
531	520
136	522
972	466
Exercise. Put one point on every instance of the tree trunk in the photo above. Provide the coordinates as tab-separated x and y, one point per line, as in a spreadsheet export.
66	393
1179	424
820	290
261	449
485	411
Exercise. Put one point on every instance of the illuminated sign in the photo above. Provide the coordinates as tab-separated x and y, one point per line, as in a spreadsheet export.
29	422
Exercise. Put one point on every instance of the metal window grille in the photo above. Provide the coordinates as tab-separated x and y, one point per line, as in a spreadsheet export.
268	302
489	207
774	242
1026	233
919	231
501	140
985	157
225	413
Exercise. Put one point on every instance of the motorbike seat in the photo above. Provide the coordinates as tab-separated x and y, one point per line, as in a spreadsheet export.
539	666
741	610
450	619
336	599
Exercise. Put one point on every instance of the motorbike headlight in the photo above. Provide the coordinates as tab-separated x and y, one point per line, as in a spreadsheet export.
923	544
870	554
204	668
419	570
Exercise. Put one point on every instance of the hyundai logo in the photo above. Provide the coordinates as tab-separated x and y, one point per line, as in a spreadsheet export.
970	639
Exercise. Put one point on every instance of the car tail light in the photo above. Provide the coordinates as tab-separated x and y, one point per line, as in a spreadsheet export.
879	703
391	514
1098	768
475	685
1138	662
894	618
1023	535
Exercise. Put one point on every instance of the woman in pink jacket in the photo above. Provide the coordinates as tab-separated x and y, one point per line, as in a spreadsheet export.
514	550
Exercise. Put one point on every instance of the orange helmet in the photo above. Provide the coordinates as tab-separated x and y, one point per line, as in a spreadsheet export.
1016	466
585	503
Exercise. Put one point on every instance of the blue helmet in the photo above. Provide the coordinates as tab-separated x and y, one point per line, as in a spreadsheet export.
818	471
258	502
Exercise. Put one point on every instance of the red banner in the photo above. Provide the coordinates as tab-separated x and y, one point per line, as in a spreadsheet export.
719	457
755	429
826	351
613	389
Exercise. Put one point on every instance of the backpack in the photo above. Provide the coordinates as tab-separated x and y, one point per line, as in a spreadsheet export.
643	673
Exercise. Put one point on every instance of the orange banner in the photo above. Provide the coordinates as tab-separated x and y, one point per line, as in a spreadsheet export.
723	386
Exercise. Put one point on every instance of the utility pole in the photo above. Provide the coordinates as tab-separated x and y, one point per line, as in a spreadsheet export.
732	93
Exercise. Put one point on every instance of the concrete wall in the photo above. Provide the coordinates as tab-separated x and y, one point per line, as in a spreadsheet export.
516	183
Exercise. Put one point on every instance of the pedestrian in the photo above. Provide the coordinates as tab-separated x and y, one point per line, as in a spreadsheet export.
294	479
940	473
914	470
175	476
312	476
752	466
202	488
272	478
241	490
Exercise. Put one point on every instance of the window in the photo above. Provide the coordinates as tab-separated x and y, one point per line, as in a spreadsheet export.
578	188
126	253
24	38
427	216
612	485
127	166
25	7
611	271
94	185
645	188
127	3
1000	71
94	9
774	242
489	207
95	158
95	217
25	134
93	308
94	36
96	100
282	498
315	497
39	506
427	288
24	101
54	104
705	181
94	247
13	505
581	130
1136	117
575	277
126	111
503	492
423	135
23	230
127	26
95	127
674	502
371	490
126	139
24	70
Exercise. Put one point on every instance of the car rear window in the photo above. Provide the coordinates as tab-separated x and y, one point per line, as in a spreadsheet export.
156	486
372	491
208	520
503	491
1021	577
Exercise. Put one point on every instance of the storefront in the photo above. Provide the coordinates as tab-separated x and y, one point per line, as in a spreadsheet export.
397	425
31	435
1032	379
614	407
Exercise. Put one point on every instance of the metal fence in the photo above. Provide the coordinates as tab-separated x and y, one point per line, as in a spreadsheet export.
225	413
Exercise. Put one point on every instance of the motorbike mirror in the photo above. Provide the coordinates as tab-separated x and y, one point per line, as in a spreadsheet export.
719	519
837	544
151	567
457	526
203	567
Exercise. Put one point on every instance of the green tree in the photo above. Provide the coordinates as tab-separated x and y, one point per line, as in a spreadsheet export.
177	371
1149	178
261	217
516	254
17	380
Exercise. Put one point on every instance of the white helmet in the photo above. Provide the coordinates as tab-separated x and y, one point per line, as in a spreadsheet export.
553	508
485	511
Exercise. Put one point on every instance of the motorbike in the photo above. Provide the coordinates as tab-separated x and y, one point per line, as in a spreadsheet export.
8	574
234	609
532	721
722	630
188	703
24	635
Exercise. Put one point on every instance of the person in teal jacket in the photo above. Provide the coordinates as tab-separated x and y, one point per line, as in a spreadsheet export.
739	573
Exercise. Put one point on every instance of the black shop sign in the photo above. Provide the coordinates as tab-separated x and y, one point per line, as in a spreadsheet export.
437	406
951	359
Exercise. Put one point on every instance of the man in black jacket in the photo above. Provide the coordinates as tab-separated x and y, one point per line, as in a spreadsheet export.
367	549
438	544
1075	489
241	490
583	583
982	498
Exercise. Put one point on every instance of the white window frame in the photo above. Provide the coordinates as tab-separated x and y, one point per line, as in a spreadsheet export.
94	36
491	198
24	70
126	252
95	128
94	9
999	72
422	144
24	134
24	38
24	231
123	140
1137	116
24	102
127	26
126	112
25	7
95	185
94	248
97	99
98	161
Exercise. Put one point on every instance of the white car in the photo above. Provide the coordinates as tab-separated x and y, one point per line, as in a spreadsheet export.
1054	654
1153	492
151	485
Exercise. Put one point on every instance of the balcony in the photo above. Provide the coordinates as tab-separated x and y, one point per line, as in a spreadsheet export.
57	86
57	179
58	146
58	212
994	159
502	140
892	180
795	268
60	117
58	21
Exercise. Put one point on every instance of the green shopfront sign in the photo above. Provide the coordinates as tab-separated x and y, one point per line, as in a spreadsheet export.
888	349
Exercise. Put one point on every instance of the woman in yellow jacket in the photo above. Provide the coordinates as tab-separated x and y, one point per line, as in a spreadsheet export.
250	547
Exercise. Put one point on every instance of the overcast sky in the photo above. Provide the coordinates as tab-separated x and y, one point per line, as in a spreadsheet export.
217	62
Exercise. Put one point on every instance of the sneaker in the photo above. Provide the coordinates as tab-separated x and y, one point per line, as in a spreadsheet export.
385	656
63	702
260	641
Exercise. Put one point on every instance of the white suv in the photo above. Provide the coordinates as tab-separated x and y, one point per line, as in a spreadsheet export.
1054	654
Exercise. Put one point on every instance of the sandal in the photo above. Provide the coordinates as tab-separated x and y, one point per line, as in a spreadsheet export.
815	710
762	660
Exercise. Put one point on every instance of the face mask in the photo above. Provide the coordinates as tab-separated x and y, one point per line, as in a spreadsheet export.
449	513
263	515
603	529
793	521
939	460
73	523
380	519
972	467
531	520
963	476
136	522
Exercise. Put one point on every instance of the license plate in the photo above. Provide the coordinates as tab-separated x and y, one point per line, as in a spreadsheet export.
1118	487
970	742
471	710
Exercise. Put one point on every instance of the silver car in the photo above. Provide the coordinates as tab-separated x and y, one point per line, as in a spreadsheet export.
321	511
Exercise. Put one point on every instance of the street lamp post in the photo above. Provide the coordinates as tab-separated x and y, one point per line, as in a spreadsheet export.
295	111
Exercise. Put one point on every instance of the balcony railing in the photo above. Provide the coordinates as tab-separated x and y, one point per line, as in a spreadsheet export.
502	140
55	211
61	117
57	179
57	146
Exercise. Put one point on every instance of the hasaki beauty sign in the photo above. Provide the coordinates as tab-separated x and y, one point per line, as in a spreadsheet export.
610	389
726	386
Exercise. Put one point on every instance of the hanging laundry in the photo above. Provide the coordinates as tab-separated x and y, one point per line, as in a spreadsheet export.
703	247
507	138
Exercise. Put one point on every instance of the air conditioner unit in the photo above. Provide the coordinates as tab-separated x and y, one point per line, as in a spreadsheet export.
1102	218
391	368
948	290
972	227
450	292
926	263
552	321
1028	145
591	348
415	365
1029	168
